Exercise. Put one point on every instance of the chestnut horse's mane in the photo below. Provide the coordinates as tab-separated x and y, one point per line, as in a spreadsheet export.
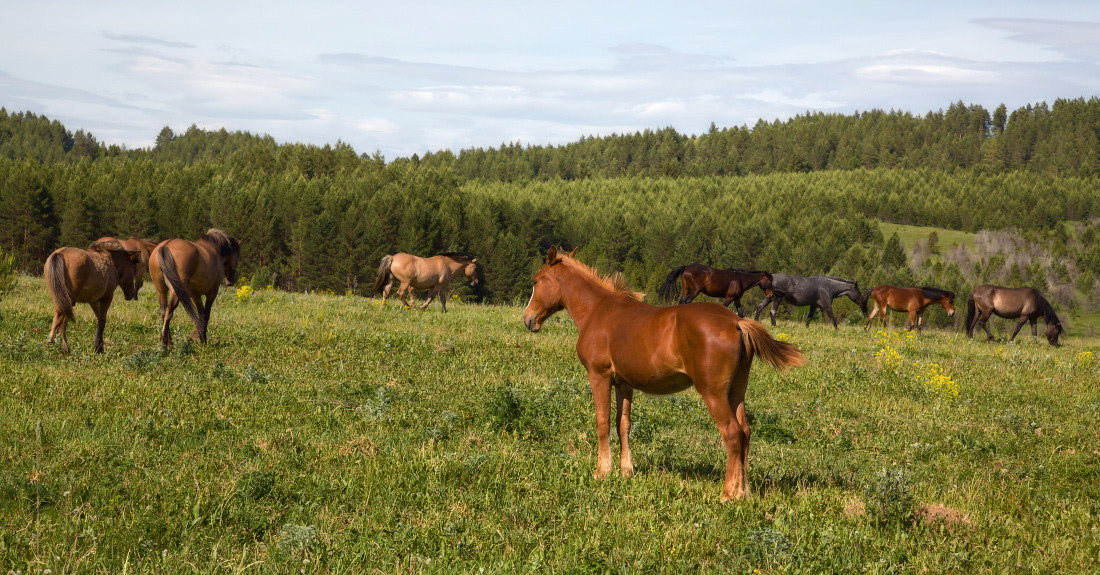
614	282
221	241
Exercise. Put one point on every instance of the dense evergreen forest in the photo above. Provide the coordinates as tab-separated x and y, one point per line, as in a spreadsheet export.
802	196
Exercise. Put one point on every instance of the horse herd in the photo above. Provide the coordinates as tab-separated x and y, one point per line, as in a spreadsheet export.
819	291
623	342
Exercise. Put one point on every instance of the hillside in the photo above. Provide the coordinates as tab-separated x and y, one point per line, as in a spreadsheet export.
329	433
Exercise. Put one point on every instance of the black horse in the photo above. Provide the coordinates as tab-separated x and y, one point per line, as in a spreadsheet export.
815	291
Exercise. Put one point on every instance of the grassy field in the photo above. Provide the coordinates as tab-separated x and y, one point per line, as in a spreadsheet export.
330	434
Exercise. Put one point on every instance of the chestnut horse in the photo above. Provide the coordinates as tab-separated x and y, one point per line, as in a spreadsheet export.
433	274
630	345
145	247
1024	303
183	272
729	284
911	299
75	275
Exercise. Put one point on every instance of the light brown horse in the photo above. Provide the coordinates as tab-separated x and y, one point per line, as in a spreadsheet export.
91	276
433	274
729	284
630	345
1024	303
145	247
184	271
912	300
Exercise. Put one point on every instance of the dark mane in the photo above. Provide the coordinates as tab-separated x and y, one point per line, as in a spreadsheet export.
936	293
221	241
459	255
1048	310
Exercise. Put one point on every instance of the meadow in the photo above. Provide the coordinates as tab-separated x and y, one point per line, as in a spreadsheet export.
323	433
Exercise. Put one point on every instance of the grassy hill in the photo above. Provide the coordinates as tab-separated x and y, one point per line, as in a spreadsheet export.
332	434
911	235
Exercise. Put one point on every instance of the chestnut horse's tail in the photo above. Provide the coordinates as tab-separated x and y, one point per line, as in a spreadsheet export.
970	312
175	283
55	282
757	340
866	296
670	281
383	274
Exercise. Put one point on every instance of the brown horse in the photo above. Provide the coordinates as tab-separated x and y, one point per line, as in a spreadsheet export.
145	247
433	274
729	284
912	300
630	345
183	272
75	275
1024	303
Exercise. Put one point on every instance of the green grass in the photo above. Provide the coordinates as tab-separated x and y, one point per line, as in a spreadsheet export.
911	235
329	434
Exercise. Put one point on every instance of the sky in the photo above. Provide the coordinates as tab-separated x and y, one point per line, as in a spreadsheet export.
416	77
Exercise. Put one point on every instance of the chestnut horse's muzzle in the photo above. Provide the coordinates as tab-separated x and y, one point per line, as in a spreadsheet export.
532	322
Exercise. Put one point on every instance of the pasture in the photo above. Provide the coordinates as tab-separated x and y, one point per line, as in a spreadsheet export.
329	434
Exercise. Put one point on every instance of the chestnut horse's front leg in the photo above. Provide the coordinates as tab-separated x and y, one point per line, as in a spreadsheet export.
624	396
601	397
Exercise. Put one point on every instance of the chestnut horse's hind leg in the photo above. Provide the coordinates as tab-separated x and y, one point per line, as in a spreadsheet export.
60	322
874	311
601	397
624	396
168	305
734	438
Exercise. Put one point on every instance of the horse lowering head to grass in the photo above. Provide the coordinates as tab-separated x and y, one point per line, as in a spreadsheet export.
184	272
912	300
433	274
815	291
628	344
729	284
74	275
1024	303
145	247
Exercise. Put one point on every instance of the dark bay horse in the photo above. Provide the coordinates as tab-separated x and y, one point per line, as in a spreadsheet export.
628	344
911	299
1024	303
433	274
91	276
145	248
729	284
184	272
815	291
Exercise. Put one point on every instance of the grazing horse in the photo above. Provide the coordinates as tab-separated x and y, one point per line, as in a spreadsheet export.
911	299
815	291
184	272
145	247
432	274
729	283
630	345
1024	303
75	275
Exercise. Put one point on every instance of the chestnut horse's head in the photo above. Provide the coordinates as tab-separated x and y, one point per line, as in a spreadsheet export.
546	298
126	264
471	271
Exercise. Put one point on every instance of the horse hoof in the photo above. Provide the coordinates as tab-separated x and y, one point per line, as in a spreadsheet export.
628	473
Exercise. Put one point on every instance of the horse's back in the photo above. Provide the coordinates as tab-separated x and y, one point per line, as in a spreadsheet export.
197	265
88	275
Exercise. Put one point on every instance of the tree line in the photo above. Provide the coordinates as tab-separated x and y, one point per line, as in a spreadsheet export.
322	217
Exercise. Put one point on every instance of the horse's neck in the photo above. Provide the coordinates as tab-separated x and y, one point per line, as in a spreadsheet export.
582	298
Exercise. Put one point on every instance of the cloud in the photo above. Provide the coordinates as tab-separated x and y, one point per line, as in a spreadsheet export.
147	40
1077	40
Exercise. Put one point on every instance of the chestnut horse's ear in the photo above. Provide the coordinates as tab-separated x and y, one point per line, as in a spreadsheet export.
574	252
552	256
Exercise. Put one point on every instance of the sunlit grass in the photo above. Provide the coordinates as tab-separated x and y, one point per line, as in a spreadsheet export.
325	433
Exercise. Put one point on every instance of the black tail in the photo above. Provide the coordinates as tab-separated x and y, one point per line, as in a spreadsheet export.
172	277
666	288
971	311
384	274
863	304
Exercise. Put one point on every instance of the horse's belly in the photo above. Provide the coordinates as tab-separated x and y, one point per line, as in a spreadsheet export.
657	384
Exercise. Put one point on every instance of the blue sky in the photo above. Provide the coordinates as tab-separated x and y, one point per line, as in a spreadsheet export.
404	78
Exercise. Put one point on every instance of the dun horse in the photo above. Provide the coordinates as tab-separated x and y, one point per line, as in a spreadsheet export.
627	344
1024	303
912	300
91	276
433	274
815	291
729	284
145	247
184	272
